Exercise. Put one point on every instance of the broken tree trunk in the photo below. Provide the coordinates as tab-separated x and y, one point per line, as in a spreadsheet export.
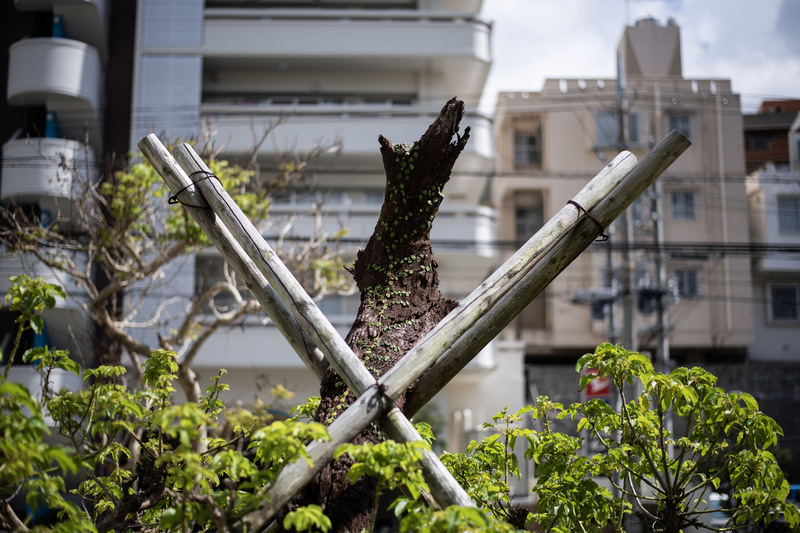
397	276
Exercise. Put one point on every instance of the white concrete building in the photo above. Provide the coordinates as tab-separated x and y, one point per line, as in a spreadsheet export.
338	70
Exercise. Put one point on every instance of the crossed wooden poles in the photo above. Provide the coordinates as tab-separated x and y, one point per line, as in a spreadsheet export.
444	351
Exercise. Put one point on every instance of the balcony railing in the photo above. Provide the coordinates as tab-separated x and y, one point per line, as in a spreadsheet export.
456	46
456	230
54	71
358	126
402	34
64	75
45	167
85	20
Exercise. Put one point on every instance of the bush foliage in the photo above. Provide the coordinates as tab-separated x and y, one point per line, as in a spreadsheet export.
150	464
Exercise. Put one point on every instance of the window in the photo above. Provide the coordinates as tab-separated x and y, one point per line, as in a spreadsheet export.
688	286
527	150
784	301
528	220
682	123
759	141
682	205
608	129
789	214
633	128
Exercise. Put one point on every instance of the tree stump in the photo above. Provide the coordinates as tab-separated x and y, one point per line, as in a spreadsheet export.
397	276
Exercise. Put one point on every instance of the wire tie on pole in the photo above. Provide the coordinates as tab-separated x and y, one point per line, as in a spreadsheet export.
205	175
603	235
382	391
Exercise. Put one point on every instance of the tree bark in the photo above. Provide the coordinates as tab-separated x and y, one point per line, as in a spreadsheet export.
397	276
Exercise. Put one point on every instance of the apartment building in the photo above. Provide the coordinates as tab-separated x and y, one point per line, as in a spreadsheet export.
550	142
333	73
773	201
765	134
65	77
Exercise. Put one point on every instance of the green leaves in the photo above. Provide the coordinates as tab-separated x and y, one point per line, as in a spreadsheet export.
724	437
30	296
308	518
392	464
137	446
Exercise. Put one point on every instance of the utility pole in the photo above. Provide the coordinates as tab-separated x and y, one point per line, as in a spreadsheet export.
662	321
629	337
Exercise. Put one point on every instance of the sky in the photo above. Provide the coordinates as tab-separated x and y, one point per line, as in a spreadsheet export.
754	43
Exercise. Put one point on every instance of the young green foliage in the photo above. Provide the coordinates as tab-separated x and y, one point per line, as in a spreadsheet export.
724	438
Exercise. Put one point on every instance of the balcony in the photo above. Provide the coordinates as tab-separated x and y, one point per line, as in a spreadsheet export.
462	236
32	380
67	79
233	348
85	20
452	47
13	265
238	347
67	326
49	172
456	228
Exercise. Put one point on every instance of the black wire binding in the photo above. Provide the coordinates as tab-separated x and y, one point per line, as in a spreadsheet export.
206	175
603	235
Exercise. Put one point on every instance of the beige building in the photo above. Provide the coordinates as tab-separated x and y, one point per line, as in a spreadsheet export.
550	143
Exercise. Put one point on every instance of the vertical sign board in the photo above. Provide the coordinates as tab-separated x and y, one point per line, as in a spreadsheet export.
597	389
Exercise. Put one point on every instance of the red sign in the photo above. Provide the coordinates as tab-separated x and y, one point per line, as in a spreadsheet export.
599	387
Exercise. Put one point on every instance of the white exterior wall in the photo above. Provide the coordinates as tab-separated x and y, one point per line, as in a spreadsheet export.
776	341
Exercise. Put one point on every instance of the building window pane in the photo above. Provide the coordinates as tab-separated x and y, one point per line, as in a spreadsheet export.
789	214
682	123
633	128
687	281
607	128
527	150
528	220
784	301
682	205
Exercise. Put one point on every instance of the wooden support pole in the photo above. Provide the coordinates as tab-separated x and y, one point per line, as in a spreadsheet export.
582	229
445	490
180	185
288	289
463	348
565	240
